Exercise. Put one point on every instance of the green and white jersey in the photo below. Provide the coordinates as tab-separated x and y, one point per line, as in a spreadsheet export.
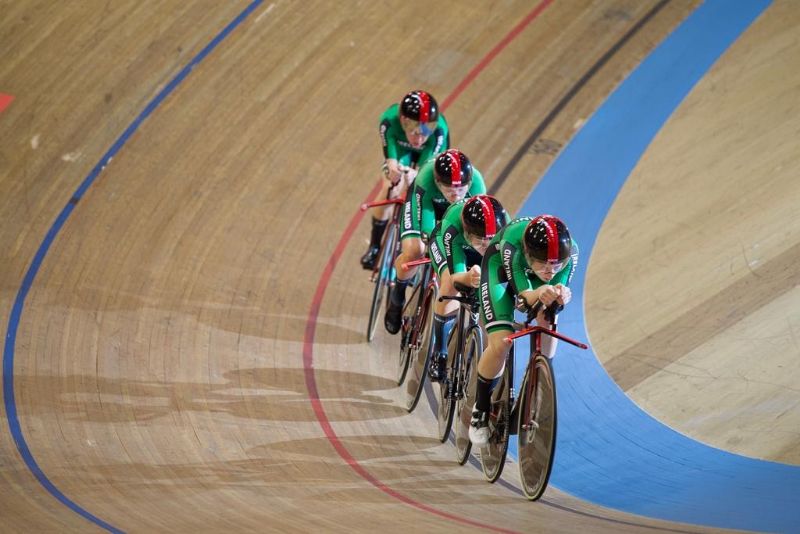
505	273
425	204
449	246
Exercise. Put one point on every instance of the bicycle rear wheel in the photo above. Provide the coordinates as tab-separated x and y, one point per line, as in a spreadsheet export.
447	387
420	347
467	382
536	427
493	455
402	362
385	264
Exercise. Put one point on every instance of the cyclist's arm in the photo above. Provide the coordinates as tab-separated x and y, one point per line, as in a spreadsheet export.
514	266
414	213
427	215
388	140
454	252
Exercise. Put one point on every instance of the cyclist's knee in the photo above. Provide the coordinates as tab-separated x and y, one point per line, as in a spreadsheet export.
413	249
493	358
498	348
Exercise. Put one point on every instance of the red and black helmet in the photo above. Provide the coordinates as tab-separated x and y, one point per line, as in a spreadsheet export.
419	106
483	216
547	239
453	168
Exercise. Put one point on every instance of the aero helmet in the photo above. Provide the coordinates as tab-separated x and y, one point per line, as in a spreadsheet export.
483	216
547	239
453	168
419	106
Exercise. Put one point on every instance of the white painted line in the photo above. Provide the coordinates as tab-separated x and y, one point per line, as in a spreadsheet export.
264	14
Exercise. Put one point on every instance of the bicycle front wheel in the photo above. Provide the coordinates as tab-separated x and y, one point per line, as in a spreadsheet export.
382	280
536	427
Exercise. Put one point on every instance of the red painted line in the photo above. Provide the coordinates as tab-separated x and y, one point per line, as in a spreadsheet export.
313	392
493	53
322	285
5	100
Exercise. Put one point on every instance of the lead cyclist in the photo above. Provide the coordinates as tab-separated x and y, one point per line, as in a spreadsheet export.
530	260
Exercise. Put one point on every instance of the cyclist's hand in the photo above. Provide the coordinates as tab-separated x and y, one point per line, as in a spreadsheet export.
526	301
393	171
475	276
548	294
564	294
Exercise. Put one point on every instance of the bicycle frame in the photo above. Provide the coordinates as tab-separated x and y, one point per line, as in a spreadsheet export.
462	322
536	333
427	277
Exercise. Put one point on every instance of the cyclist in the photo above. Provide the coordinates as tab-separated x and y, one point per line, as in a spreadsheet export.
412	132
457	246
440	182
530	260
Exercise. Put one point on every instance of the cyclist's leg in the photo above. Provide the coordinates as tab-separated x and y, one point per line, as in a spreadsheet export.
446	289
497	310
414	229
412	248
380	218
444	319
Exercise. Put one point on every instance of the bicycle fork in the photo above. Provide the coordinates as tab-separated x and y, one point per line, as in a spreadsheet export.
529	423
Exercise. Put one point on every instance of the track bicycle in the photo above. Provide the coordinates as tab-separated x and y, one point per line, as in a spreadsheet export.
383	274
532	416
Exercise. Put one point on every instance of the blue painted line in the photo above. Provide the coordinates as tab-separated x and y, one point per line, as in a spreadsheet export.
30	275
609	451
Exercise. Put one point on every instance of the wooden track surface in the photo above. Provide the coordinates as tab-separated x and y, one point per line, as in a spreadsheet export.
696	316
159	373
